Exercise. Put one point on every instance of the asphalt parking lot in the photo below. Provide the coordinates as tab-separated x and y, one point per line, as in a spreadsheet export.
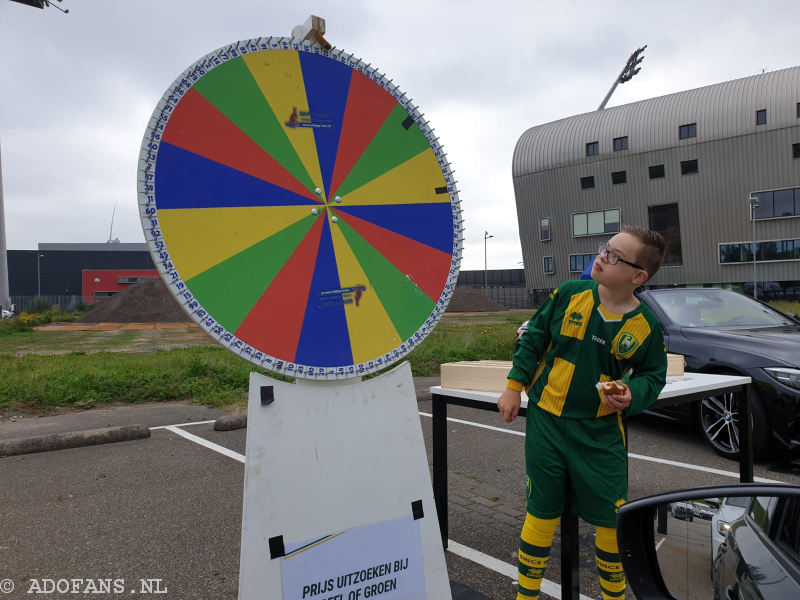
161	516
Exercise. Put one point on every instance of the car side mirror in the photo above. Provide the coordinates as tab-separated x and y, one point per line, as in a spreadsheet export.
715	542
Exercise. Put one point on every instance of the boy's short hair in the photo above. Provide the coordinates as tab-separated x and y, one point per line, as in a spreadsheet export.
654	246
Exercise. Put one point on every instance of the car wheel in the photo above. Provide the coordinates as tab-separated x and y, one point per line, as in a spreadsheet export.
719	422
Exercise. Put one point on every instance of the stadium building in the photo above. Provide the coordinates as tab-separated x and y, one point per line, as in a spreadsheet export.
687	165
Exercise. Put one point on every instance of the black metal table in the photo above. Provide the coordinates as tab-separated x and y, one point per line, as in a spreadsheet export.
690	387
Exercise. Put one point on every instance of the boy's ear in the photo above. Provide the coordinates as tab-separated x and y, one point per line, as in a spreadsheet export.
640	277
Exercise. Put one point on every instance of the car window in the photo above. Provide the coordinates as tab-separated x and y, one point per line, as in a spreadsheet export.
736	501
717	308
761	510
786	526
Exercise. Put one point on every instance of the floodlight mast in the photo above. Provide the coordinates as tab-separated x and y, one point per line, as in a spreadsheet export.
627	73
42	4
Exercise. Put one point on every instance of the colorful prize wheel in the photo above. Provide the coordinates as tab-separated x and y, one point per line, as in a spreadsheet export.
299	208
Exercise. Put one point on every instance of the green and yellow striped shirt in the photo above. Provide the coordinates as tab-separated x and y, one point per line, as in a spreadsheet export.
572	342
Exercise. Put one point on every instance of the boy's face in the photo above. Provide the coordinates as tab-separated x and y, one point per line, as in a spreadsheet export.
626	248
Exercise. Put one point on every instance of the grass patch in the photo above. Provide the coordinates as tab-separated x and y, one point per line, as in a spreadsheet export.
209	375
786	306
37	374
13	327
455	342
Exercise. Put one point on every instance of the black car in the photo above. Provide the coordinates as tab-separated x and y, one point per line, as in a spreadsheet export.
721	331
760	556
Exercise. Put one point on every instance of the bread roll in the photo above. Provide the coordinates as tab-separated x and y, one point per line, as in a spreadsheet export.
612	387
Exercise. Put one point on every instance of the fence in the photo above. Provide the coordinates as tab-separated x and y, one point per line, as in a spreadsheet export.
511	297
63	302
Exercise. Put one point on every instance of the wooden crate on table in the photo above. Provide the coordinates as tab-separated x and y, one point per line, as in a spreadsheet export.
674	365
478	375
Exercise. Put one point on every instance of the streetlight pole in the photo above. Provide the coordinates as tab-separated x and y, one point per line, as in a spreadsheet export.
486	236
753	206
38	275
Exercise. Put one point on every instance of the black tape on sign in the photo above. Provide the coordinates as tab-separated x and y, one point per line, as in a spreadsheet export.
416	509
409	121
441	190
267	395
276	549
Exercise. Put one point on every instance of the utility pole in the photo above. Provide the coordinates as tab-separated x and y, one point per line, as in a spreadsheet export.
627	73
5	294
753	206
486	236
38	274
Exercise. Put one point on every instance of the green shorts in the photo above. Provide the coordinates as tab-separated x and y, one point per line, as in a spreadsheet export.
589	454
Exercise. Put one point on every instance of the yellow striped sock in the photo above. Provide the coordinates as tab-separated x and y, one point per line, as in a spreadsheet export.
609	567
534	552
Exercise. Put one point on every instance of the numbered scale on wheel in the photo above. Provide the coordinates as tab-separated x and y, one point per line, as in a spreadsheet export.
300	208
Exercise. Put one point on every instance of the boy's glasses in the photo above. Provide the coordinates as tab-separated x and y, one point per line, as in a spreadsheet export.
614	258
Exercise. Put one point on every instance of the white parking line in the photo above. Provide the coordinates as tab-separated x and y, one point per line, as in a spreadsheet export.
203	442
182	425
664	461
549	588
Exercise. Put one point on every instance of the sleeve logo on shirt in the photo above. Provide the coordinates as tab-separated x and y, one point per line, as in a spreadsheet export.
576	318
626	344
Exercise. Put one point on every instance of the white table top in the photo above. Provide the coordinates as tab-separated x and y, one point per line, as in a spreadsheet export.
689	383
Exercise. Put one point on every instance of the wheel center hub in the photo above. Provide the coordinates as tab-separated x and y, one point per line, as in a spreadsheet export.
727	416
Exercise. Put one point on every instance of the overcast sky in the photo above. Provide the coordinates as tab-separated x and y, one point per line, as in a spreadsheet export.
77	90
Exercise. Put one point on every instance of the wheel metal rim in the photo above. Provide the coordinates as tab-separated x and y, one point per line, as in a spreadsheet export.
719	417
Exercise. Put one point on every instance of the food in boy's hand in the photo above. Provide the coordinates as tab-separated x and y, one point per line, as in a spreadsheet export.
612	387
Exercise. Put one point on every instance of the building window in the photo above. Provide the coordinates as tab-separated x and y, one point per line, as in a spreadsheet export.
587	183
761	117
548	264
664	219
689	167
656	172
544	229
774	250
578	262
595	223
592	148
687	131
619	177
621	143
795	150
778	203
783	203
798	110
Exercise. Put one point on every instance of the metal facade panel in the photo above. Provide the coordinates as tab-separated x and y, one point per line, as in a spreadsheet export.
721	110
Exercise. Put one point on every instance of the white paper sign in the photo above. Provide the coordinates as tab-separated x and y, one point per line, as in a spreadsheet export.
381	561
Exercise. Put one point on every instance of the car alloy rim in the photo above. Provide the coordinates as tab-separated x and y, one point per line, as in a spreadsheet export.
720	419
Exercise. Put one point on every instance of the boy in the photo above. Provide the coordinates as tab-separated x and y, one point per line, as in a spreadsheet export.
584	333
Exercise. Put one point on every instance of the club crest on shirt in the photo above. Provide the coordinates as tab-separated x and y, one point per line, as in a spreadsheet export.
576	318
626	343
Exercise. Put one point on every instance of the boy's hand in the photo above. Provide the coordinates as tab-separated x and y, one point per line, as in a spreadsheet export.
618	401
508	404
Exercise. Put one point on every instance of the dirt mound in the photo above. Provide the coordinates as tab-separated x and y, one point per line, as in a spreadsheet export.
147	302
467	299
